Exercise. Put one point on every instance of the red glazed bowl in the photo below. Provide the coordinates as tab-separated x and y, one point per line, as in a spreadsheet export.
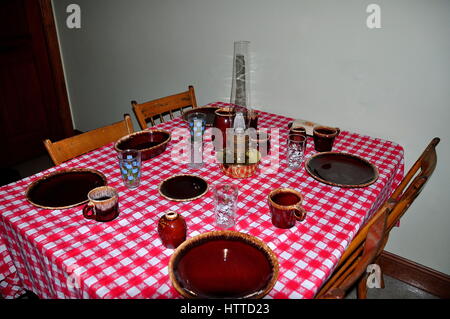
151	143
223	264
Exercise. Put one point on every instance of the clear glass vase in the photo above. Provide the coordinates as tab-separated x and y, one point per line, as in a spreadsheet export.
240	86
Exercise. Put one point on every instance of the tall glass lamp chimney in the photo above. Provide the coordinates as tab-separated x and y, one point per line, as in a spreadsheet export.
240	86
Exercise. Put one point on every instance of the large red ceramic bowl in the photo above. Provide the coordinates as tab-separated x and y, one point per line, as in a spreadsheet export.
223	264
151	143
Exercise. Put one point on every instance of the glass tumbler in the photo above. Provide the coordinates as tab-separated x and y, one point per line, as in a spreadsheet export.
197	126
295	151
225	197
130	167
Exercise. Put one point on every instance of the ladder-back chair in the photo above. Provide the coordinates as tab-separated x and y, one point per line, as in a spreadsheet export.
71	147
348	270
147	111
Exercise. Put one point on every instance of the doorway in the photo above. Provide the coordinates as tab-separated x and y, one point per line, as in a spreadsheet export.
33	97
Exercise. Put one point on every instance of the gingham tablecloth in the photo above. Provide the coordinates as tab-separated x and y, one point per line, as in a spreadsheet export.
60	254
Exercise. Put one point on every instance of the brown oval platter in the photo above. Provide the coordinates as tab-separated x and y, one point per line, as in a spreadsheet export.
223	264
64	188
209	111
151	142
341	169
183	187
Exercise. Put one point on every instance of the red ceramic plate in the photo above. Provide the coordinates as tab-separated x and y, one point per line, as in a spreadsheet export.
183	187
223	264
65	188
341	169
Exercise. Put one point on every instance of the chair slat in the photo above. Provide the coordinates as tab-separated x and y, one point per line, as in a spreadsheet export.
145	112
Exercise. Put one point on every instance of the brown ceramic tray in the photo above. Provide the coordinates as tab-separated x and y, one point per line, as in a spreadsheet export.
209	111
65	188
223	264
183	187
341	169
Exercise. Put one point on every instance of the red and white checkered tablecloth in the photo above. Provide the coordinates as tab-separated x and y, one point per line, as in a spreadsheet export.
60	254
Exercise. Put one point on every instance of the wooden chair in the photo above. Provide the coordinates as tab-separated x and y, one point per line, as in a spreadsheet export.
351	267
355	268
147	111
74	146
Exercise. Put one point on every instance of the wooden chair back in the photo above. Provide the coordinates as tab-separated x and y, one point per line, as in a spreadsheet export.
346	277
74	146
147	111
412	184
393	209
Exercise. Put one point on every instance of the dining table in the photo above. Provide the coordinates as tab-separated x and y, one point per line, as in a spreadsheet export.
57	253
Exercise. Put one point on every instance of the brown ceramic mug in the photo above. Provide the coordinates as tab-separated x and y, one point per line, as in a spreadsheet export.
298	130
251	118
260	140
103	204
285	207
324	137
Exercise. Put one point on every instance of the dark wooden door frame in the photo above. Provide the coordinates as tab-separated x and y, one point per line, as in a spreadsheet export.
55	61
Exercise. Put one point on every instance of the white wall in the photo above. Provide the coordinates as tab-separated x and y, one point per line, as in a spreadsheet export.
312	59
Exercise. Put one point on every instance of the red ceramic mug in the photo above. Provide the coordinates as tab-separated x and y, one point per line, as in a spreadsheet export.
324	137
285	207
103	204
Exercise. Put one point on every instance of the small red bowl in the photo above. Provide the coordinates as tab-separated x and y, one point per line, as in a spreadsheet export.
151	143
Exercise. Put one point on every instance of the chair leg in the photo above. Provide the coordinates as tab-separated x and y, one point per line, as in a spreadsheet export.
361	291
377	262
381	279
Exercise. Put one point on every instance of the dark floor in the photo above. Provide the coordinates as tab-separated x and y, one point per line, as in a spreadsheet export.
394	289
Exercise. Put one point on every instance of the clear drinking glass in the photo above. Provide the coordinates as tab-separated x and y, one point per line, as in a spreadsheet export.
130	167
225	196
295	150
197	126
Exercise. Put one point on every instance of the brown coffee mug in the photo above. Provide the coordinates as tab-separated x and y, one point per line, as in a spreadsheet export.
103	204
324	137
251	118
260	140
298	130
285	207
